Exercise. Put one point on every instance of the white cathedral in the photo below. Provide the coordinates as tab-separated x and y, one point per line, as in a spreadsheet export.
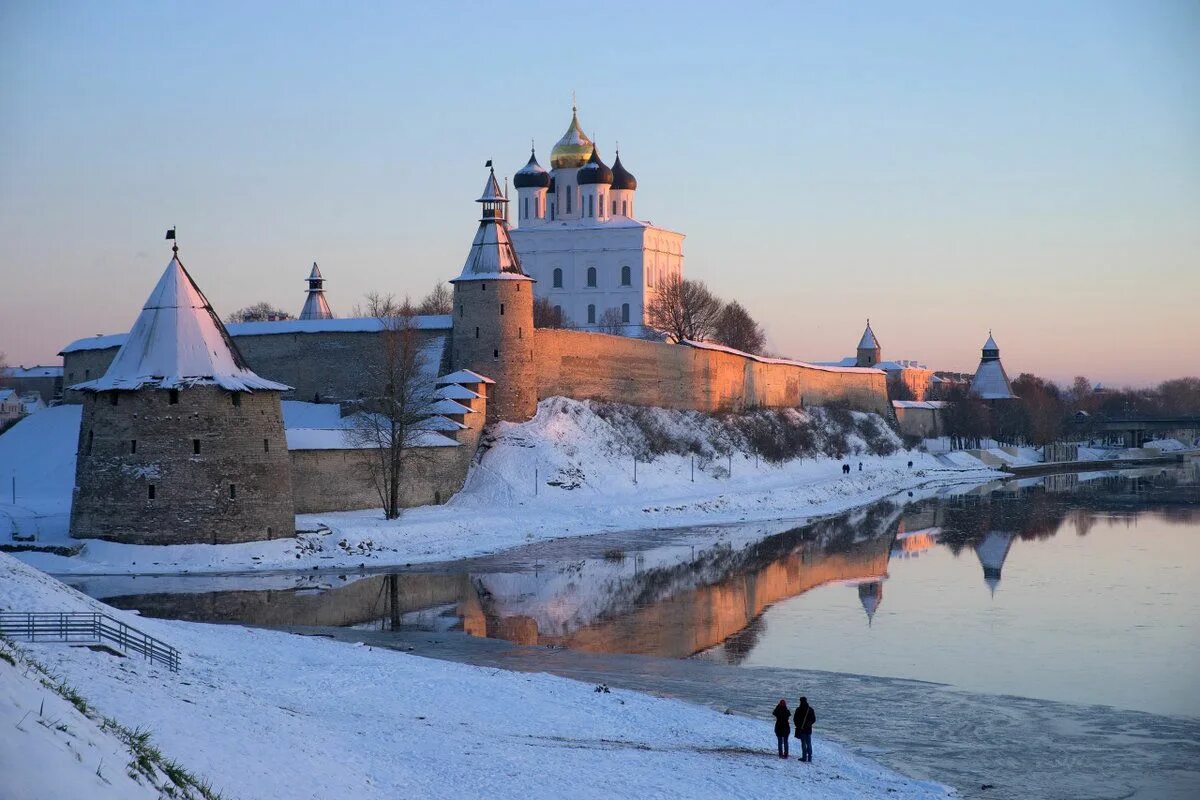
577	236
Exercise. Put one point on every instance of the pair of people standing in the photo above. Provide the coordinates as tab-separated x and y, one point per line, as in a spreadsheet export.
803	718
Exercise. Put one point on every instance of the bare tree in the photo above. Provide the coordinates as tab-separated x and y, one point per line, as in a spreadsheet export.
737	329
611	323
684	309
391	422
547	315
3	370
438	301
259	312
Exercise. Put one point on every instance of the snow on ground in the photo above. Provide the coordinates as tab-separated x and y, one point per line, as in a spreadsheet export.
567	472
263	714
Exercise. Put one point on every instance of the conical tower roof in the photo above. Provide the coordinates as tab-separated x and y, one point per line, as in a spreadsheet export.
991	381
176	342
492	255
868	340
315	304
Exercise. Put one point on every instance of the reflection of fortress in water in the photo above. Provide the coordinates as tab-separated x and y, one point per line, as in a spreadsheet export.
665	601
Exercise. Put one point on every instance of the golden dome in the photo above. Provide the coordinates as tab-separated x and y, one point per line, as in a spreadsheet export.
573	149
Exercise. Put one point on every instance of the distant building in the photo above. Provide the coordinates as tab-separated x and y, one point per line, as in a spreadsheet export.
47	381
907	379
991	381
10	406
577	236
315	304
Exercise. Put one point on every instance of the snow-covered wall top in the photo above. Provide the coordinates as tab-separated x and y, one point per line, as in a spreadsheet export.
430	322
784	361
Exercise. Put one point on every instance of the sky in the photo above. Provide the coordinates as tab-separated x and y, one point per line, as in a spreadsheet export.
943	168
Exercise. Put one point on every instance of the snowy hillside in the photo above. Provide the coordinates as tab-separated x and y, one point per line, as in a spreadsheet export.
576	468
272	715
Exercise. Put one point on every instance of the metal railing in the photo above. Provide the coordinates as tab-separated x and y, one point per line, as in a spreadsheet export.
83	627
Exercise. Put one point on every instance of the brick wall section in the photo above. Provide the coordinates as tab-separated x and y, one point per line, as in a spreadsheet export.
624	370
192	503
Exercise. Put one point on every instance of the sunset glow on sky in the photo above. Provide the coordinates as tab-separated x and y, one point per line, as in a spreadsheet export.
942	168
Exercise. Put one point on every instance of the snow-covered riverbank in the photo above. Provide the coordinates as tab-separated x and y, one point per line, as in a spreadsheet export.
262	714
568	472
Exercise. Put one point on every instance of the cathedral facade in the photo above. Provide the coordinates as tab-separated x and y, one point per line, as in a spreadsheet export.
578	237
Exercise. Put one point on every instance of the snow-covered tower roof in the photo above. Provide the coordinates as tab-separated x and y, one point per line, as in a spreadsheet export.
991	381
992	553
315	304
492	255
176	342
869	352
574	148
868	340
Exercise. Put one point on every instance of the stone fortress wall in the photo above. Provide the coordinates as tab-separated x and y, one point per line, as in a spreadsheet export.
624	370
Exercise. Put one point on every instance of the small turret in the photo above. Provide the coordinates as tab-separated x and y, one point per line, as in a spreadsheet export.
532	183
991	381
624	185
595	183
869	351
315	305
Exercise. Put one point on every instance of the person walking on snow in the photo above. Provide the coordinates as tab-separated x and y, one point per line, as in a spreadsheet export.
782	729
805	717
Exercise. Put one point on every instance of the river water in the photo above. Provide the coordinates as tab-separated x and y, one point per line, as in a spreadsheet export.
1041	635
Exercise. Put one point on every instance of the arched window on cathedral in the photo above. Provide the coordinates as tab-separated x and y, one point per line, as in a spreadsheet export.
591	205
591	277
614	211
625	312
591	314
557	277
624	208
568	199
626	277
525	208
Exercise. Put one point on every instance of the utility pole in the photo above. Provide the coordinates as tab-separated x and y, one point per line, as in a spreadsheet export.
635	470
535	481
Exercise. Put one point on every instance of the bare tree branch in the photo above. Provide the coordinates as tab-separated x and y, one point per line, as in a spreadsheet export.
684	309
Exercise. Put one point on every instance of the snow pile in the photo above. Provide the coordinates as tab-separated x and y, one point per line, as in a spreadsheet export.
1166	445
356	721
38	453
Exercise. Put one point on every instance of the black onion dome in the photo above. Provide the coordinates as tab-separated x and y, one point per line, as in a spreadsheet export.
531	176
594	171
622	178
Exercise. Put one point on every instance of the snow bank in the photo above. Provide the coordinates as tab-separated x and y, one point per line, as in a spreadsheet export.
355	721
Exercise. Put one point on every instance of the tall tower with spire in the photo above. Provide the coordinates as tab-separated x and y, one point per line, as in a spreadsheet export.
315	304
180	442
869	351
492	332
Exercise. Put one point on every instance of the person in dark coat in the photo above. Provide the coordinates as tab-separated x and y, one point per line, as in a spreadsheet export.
805	717
783	730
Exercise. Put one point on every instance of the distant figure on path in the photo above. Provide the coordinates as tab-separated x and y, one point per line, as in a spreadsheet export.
845	469
805	717
910	465
782	729
860	466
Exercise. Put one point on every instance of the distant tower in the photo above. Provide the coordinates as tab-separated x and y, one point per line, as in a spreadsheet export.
315	305
869	351
572	152
991	381
992	553
492	332
870	594
532	183
595	182
179	441
624	186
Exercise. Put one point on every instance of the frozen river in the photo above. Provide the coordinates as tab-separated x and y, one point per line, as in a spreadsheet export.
1041	636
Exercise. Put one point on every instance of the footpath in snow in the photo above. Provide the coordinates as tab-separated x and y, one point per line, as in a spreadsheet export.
570	471
262	714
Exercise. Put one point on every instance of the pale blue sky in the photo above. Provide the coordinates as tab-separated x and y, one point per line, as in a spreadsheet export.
940	167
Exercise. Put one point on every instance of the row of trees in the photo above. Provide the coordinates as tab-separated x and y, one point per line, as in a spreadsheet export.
1045	412
439	301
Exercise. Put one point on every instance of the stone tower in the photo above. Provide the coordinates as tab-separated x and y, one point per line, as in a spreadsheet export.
492	332
991	381
869	351
179	441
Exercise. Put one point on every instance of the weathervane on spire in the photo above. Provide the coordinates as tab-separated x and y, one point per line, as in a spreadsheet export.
574	108
174	241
